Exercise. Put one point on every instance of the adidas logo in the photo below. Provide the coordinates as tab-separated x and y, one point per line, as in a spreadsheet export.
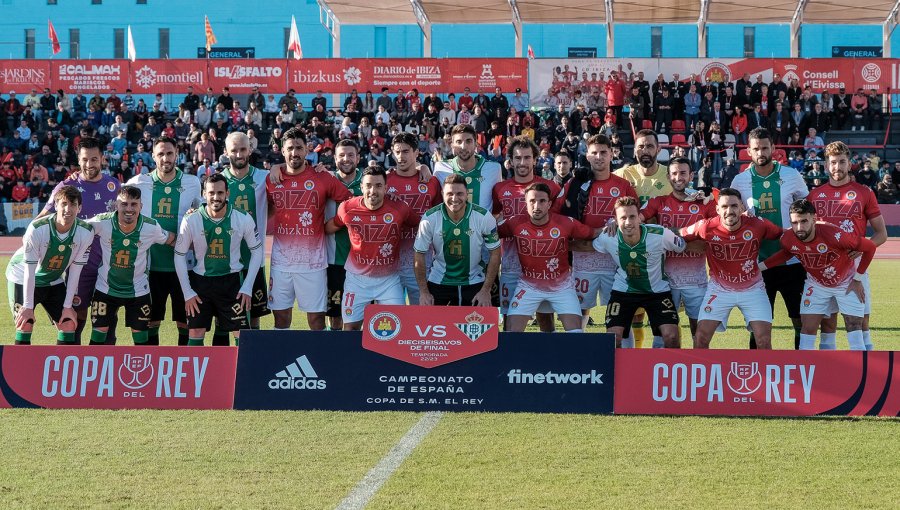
297	375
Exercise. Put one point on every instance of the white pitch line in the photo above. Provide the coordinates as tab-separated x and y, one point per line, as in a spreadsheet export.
366	489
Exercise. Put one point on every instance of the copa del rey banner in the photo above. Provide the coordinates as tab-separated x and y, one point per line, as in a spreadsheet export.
553	81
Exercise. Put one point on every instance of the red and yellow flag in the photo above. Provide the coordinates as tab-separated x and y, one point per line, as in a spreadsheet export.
210	36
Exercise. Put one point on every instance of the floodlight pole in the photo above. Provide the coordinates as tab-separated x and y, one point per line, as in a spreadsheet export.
701	29
424	26
610	39
517	27
796	23
887	29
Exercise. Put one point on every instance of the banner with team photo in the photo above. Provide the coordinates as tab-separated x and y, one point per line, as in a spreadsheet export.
89	76
19	214
756	383
526	372
242	75
168	76
20	76
117	377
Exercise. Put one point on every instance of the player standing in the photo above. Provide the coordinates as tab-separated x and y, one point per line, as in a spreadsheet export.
374	222
542	239
50	246
769	189
299	257
851	206
481	175
825	252
457	231
126	237
169	194
216	286
733	242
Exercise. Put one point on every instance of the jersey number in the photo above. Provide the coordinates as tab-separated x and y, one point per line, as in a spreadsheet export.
241	203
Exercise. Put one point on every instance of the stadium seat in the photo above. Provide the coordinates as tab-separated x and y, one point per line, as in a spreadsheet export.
677	125
678	139
745	154
663	139
745	166
663	156
729	140
647	124
780	156
729	153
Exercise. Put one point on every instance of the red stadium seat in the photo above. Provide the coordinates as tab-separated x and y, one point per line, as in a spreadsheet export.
780	156
745	154
647	124
745	166
677	125
678	139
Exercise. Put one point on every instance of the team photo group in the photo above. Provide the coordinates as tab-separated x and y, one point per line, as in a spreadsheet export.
643	241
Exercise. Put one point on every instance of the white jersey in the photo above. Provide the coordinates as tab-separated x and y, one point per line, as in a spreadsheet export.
123	269
457	245
640	267
480	181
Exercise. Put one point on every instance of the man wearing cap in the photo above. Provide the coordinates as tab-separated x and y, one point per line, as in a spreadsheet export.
519	102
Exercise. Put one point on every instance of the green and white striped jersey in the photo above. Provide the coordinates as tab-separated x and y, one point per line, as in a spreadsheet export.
123	267
166	203
480	181
50	252
458	245
248	194
640	267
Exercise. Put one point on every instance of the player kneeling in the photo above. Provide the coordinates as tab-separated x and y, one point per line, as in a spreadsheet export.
824	251
215	287
51	245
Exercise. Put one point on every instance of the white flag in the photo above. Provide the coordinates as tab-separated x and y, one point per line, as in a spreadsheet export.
294	42
132	54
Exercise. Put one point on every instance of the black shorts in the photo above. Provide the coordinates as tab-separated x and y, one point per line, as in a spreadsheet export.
217	296
495	293
336	275
50	297
163	285
259	299
789	280
453	295
104	309
622	305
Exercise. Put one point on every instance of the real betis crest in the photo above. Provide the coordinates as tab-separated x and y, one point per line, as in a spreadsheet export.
474	327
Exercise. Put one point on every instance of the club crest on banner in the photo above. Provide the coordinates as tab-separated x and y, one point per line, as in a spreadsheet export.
474	326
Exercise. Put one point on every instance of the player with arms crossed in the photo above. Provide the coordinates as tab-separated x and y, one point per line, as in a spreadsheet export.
733	242
126	237
170	194
216	286
825	252
509	201
34	276
403	183
851	206
686	271
591	199
374	222
542	239
457	231
640	252
299	257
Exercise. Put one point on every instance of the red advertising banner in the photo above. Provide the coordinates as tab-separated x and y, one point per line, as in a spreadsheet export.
756	383
117	377
89	75
168	76
506	73
430	336
23	75
308	75
241	76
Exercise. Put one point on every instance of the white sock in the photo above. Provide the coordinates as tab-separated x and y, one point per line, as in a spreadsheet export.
628	343
282	329
575	331
855	339
807	342
867	340
658	342
829	342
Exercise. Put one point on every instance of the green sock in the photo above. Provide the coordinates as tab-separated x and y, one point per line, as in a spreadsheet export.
195	342
64	338
237	341
152	336
182	336
140	337
98	337
796	338
23	338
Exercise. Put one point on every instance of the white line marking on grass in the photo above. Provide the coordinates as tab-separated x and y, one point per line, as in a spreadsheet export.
366	489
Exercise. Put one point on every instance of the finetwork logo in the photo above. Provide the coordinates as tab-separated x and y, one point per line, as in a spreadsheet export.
297	375
516	376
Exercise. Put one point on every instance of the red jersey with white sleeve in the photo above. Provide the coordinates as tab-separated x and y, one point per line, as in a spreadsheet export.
732	255
509	200
374	235
420	197
849	206
826	257
298	225
685	269
597	212
544	250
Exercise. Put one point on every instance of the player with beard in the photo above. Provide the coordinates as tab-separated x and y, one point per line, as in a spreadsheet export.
835	277
126	237
169	193
98	192
247	193
509	201
374	222
217	286
769	189
852	207
481	175
299	256
733	242
346	159
403	183
686	271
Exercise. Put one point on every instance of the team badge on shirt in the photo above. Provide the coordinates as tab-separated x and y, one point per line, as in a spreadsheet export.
554	232
423	188
694	209
748	235
614	192
821	248
388	218
309	185
851	195
110	186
